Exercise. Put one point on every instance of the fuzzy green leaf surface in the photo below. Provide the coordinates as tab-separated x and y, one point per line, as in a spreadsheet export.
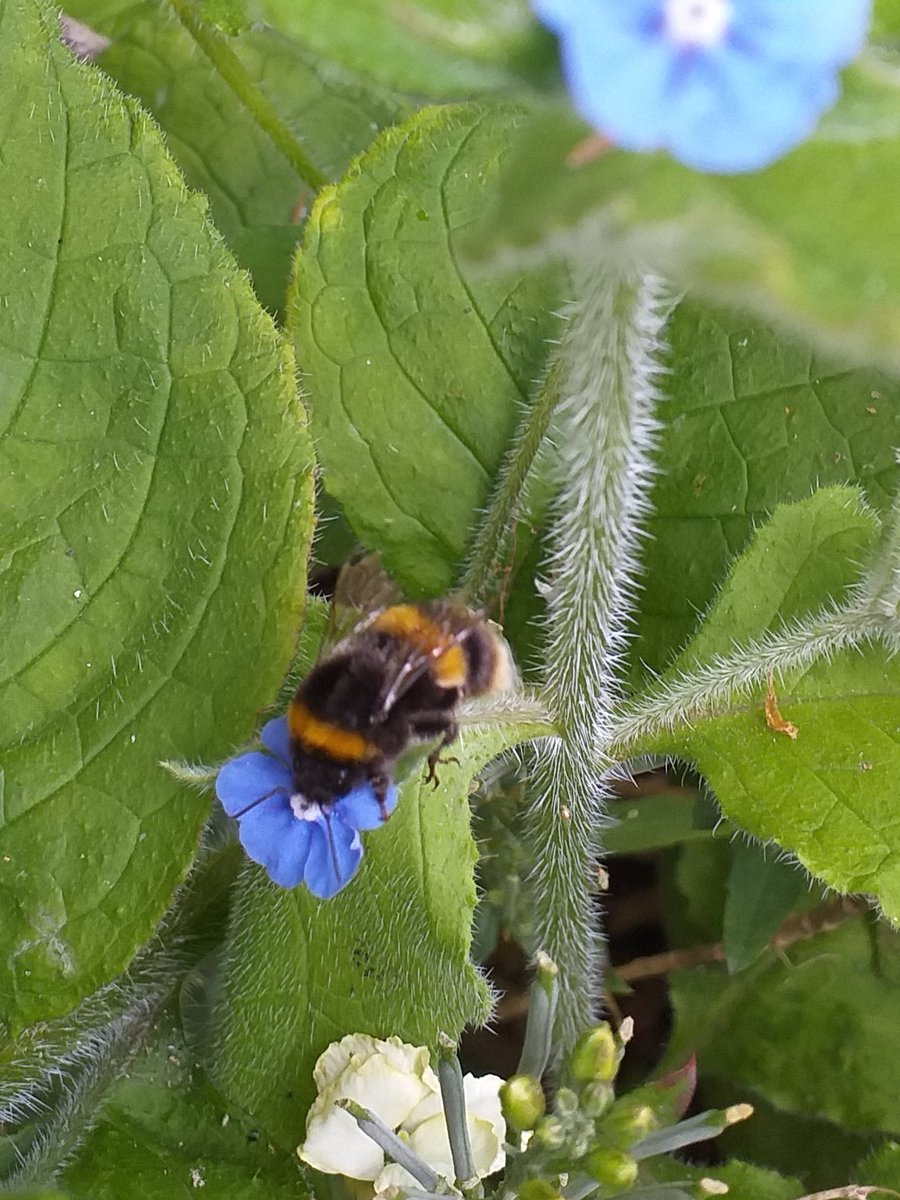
446	49
166	1131
387	955
744	1180
813	239
826	795
415	371
762	892
256	197
752	419
155	488
833	999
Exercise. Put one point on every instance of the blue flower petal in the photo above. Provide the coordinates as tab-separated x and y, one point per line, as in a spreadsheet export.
334	855
624	95
277	840
275	737
249	777
826	33
359	809
735	104
738	114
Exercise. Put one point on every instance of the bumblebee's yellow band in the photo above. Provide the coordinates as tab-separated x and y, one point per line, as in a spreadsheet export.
316	734
409	622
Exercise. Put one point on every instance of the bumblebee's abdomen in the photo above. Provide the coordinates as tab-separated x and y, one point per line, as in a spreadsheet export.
326	737
465	653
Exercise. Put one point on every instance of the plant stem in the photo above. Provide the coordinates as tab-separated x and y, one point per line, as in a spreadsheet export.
232	70
454	1100
605	433
709	690
542	1001
375	1128
486	563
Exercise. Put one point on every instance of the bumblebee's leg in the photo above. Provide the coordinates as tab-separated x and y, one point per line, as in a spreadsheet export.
380	783
427	724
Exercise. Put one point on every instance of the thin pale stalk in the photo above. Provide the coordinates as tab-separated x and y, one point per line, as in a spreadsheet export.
232	70
542	1001
490	549
398	1150
453	1098
725	683
604	431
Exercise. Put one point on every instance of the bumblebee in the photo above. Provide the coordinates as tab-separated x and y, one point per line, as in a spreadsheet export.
397	679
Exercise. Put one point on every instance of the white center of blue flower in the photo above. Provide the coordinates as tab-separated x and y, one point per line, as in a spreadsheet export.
303	809
698	23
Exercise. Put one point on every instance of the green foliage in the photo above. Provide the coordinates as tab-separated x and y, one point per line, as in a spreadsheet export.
387	956
233	160
841	1051
166	1126
438	48
404	450
796	240
152	432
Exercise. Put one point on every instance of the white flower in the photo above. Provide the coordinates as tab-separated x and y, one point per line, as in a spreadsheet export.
395	1081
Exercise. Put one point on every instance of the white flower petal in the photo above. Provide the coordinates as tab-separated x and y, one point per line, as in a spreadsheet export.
394	1175
428	1131
336	1145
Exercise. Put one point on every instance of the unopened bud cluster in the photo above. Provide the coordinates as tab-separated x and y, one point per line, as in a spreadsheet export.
586	1133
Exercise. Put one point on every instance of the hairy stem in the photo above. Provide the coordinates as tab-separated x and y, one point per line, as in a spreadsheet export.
604	429
490	550
719	684
232	70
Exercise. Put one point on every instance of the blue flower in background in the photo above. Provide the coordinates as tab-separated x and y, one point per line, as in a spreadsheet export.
723	85
296	841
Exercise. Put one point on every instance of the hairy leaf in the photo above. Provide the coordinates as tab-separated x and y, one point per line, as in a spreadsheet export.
388	955
826	795
155	490
167	1132
752	420
440	48
414	369
256	198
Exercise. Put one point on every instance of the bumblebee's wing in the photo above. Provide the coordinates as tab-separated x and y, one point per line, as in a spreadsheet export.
363	588
415	661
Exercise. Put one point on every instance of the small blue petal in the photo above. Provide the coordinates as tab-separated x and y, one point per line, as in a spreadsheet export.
249	777
804	32
359	809
734	103
335	853
275	737
277	840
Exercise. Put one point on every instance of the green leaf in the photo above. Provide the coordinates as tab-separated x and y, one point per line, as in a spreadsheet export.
256	197
445	49
752	420
881	1168
166	1129
813	240
745	1181
652	823
762	891
815	1029
415	371
825	796
155	488
388	955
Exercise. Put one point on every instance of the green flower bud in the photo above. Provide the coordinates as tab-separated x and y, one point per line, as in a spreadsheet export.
627	1124
566	1103
596	1097
538	1189
595	1056
522	1102
615	1169
550	1132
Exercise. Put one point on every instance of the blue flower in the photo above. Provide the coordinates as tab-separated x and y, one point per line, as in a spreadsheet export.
296	841
723	85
